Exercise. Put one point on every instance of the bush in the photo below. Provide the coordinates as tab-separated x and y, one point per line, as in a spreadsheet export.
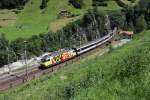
141	24
44	4
99	4
77	3
12	4
120	3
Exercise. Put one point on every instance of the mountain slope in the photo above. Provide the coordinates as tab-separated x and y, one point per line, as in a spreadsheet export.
33	20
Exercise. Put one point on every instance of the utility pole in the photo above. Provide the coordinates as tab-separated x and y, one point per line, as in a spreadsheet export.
14	54
80	44
25	54
80	39
8	60
60	39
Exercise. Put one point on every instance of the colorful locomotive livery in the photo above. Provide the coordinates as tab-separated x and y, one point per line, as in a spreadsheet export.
57	57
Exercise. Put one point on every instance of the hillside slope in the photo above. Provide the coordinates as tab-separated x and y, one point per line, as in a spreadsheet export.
121	74
32	20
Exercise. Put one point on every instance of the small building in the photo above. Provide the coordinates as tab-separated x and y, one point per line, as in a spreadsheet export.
64	13
126	34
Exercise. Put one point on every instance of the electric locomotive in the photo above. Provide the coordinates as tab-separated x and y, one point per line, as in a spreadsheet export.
57	57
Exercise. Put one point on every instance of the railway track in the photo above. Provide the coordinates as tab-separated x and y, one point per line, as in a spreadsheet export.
20	78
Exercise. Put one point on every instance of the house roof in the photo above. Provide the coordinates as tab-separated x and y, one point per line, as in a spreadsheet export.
126	32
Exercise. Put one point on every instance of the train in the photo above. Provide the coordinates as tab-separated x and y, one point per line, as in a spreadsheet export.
65	54
57	57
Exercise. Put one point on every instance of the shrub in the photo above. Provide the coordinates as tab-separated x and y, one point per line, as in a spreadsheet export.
77	3
100	4
44	4
12	4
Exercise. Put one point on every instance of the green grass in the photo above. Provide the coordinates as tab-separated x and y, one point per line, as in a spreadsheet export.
120	74
60	23
30	21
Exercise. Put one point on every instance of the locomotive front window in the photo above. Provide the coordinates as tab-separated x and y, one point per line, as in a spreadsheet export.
46	58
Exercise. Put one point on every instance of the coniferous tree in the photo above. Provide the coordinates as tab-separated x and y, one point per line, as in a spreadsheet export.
44	4
77	3
141	24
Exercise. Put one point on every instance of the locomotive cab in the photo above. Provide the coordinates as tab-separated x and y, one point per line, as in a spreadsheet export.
46	61
58	57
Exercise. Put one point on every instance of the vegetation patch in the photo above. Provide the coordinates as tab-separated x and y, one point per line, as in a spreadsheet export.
130	2
111	5
12	4
60	23
7	18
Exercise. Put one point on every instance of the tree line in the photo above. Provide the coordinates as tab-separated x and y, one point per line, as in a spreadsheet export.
77	3
11	4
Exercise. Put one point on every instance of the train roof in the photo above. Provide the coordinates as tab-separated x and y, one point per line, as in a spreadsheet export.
57	52
60	51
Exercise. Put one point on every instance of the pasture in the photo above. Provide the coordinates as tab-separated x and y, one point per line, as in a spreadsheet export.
33	21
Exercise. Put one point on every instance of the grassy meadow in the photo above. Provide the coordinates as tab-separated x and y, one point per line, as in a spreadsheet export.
33	21
122	73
